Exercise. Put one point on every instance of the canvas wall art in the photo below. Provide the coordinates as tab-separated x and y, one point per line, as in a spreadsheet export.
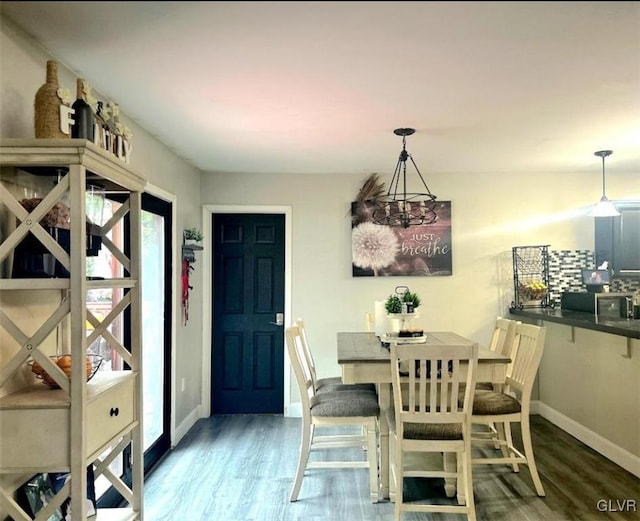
386	251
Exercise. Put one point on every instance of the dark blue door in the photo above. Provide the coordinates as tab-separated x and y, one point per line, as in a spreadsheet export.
248	293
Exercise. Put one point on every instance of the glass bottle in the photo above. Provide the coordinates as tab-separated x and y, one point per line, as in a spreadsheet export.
47	106
83	115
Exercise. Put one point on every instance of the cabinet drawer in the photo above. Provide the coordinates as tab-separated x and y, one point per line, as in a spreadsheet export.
34	422
109	413
31	438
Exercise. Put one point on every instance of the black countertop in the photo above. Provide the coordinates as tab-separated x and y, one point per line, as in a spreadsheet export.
629	328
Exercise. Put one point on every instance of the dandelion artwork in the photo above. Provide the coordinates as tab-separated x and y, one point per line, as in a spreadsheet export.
386	251
374	247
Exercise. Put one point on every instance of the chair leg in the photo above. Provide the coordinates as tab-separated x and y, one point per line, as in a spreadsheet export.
509	438
468	483
392	469
399	473
305	447
493	428
503	430
372	455
528	451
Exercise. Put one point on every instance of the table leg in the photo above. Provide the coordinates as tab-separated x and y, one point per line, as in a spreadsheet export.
384	400
450	462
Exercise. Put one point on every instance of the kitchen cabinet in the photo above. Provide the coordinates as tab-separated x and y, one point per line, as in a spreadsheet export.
617	240
82	423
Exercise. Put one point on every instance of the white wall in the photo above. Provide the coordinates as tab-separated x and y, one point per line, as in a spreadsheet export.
490	214
22	71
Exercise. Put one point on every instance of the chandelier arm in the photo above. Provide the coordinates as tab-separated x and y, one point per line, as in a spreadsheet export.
404	179
421	178
394	180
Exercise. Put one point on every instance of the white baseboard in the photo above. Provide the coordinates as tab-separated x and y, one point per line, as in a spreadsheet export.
186	424
618	455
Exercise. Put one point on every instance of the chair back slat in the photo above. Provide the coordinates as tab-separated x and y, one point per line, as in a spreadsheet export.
306	351
453	386
503	334
526	355
430	392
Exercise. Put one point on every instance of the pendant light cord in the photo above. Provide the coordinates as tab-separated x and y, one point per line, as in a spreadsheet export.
603	186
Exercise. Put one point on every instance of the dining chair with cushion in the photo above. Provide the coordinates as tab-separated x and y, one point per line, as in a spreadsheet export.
427	418
331	383
512	404
504	331
352	408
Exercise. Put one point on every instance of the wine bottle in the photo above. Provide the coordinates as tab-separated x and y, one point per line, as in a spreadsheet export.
83	116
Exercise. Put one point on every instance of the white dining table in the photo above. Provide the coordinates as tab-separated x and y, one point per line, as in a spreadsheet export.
364	359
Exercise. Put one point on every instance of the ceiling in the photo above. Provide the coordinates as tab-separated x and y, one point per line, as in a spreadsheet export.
319	87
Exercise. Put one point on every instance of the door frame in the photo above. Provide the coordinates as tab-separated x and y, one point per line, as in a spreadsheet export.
207	212
175	276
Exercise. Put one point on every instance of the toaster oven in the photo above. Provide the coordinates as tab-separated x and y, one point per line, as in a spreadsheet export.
614	305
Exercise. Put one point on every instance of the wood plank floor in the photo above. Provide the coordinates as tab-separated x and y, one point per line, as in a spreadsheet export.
240	468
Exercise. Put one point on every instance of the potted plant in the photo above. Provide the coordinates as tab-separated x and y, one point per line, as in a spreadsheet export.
192	236
406	302
404	305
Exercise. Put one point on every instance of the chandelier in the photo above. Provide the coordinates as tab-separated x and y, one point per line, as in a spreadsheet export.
400	207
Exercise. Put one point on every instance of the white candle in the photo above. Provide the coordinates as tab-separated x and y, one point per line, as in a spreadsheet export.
380	318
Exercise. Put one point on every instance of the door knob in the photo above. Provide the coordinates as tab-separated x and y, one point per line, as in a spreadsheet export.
279	320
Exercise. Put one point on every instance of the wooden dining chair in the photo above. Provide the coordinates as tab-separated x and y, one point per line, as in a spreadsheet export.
512	404
427	418
504	331
331	383
355	408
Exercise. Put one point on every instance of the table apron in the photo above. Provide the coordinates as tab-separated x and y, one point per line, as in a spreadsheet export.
371	372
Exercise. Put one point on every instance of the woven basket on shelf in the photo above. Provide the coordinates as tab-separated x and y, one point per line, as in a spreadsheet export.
92	364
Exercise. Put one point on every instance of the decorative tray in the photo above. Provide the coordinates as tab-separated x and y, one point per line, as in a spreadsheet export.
388	337
404	316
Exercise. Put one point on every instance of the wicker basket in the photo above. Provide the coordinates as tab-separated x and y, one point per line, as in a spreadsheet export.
64	362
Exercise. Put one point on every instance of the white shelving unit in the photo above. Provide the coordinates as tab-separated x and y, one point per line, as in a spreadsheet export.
82	423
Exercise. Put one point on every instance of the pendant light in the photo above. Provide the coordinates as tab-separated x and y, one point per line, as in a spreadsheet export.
400	207
604	208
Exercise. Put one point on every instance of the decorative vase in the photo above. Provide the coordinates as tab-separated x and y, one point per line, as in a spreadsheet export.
83	126
47	106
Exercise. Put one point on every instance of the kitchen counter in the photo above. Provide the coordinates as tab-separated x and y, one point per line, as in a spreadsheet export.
629	328
588	380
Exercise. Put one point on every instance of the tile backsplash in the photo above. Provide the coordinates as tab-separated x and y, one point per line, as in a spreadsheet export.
565	274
